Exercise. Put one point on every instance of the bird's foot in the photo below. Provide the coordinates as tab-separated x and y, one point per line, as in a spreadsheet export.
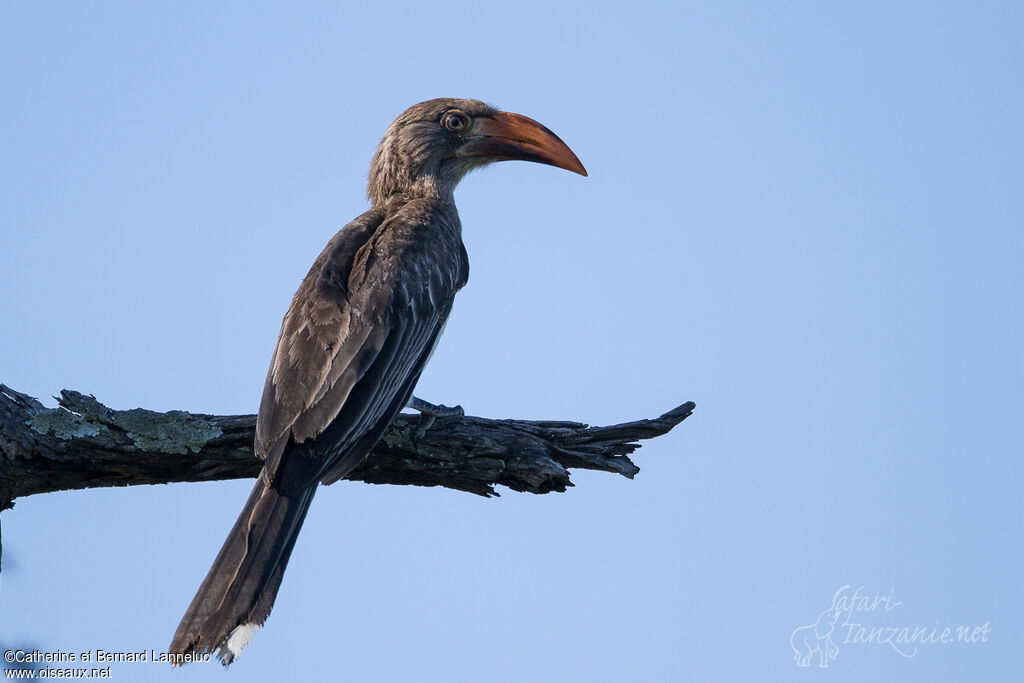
435	410
428	412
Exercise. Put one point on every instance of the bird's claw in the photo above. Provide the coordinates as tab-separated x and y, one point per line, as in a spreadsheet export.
421	428
435	410
445	411
428	413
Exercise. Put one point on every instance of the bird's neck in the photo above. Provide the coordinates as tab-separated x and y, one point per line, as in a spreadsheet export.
393	198
401	174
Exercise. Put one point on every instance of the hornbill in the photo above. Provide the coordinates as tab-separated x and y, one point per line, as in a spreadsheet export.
353	343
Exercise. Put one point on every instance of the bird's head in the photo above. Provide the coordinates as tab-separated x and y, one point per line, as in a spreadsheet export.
432	145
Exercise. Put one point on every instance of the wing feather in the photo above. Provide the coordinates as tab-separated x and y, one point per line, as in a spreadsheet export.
356	337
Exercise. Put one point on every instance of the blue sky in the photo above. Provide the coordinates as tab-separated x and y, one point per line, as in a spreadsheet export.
806	217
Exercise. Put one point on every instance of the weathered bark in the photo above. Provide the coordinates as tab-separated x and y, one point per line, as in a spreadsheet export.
83	444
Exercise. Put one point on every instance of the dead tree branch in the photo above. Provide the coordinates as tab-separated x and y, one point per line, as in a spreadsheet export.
83	444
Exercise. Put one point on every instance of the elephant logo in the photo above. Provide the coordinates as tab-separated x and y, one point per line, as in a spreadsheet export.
816	637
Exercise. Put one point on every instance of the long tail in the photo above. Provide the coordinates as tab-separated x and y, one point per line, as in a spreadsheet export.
240	588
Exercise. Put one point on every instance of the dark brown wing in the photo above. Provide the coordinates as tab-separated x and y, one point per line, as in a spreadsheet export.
316	336
357	336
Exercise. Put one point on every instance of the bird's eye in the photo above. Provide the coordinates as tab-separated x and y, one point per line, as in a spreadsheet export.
455	121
